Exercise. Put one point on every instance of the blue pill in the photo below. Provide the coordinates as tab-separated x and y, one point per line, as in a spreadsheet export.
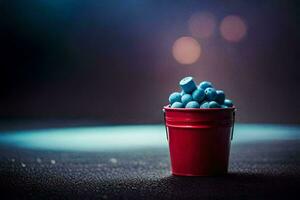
182	93
192	104
205	105
175	97
188	85
198	95
228	103
186	98
177	105
220	96
210	94
214	104
205	84
223	106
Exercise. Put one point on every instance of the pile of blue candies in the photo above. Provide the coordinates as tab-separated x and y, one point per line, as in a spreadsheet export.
202	96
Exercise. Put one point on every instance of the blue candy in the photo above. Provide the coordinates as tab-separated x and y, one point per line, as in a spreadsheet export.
192	104
228	103
177	105
223	106
210	94
205	84
204	96
175	97
214	104
186	98
188	85
205	105
220	96
198	95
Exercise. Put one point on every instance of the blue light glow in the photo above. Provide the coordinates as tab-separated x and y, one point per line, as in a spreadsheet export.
110	138
88	138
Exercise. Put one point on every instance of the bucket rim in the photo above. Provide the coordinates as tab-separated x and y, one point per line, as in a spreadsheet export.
168	108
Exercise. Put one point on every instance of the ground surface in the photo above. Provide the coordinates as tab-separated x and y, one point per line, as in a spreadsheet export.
265	167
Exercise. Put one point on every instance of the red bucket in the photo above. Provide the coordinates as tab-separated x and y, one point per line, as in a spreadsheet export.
199	140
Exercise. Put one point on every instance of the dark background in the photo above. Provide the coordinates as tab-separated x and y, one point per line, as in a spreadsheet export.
112	61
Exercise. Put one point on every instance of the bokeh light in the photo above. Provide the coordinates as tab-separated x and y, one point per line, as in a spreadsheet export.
233	28
186	50
202	24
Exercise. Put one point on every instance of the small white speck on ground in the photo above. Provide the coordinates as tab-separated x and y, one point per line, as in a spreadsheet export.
38	160
53	162
23	165
113	160
13	160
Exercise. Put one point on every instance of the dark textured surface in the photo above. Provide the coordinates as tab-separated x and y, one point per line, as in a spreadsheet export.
257	170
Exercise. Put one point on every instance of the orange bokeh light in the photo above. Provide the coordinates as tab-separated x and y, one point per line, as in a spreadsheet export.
186	50
233	28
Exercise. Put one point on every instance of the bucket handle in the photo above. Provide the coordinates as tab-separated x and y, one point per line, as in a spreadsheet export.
165	124
232	124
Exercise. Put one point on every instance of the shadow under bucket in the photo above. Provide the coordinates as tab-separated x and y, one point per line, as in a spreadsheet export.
199	140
